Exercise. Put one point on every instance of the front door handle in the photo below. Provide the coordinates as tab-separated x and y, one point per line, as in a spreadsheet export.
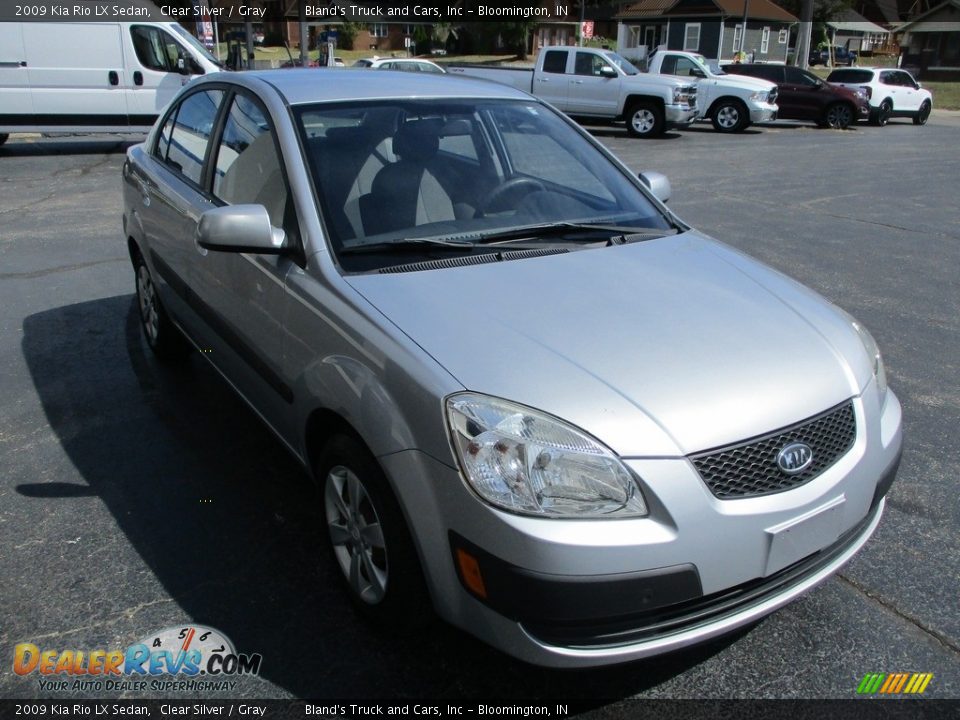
113	77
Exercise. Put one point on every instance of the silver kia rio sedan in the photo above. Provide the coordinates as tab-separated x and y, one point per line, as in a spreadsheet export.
530	394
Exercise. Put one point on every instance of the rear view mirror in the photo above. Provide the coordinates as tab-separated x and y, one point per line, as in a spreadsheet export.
658	184
240	228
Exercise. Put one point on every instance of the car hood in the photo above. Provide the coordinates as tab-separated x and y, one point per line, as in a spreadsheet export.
660	348
744	82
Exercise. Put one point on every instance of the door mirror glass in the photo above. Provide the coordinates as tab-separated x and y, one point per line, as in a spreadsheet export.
240	228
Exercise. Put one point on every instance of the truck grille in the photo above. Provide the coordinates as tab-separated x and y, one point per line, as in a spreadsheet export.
750	468
772	99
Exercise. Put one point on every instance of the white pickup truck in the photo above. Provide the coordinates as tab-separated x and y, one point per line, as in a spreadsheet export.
731	102
591	83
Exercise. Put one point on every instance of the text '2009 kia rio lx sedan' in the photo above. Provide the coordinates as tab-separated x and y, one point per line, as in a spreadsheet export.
528	392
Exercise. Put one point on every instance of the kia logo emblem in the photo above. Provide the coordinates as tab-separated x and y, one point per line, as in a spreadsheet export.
794	458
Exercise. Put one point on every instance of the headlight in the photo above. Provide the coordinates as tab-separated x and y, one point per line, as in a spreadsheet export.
527	462
759	97
862	94
875	357
873	351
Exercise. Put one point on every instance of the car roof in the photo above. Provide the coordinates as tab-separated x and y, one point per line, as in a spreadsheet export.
312	85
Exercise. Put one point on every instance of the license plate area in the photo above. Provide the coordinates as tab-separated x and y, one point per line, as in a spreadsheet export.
794	539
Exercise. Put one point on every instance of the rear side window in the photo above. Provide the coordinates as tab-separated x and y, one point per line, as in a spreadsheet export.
796	76
555	62
191	133
248	168
773	73
853	77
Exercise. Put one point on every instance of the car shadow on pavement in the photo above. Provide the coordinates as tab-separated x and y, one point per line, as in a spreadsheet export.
226	521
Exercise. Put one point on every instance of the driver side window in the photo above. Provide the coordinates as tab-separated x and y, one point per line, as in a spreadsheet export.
155	49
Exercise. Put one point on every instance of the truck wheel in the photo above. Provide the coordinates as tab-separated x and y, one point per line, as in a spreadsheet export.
838	116
729	116
645	120
922	114
3	138
369	540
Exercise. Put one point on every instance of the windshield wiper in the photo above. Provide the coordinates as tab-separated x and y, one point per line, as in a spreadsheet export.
439	242
623	233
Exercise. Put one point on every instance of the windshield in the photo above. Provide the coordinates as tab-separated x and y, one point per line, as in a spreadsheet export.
622	63
459	173
715	68
195	44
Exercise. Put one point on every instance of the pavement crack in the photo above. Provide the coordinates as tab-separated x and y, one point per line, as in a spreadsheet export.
935	634
60	268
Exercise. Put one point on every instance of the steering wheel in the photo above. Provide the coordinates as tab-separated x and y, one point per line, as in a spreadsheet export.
517	184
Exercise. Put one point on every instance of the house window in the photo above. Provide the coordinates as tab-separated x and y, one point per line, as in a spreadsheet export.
765	41
738	38
691	37
378	30
408	29
784	35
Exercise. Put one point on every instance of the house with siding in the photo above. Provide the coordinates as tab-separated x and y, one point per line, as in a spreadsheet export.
713	28
932	41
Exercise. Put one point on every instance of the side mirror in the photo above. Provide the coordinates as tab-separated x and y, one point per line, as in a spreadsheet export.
607	72
658	184
240	228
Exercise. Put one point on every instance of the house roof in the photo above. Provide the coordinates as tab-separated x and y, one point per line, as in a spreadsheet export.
852	21
931	11
757	10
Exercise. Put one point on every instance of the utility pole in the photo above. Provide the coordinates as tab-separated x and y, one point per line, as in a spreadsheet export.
583	18
304	39
802	57
746	20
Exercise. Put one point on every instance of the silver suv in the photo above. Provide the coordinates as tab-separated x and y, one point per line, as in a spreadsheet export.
530	395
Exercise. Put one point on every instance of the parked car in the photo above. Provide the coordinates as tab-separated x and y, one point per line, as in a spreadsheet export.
890	92
483	336
600	85
731	102
804	96
406	64
841	56
92	77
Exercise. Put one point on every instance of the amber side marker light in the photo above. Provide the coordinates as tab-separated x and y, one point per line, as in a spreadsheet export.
470	573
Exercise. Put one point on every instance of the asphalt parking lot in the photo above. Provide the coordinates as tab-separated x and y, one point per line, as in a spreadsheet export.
135	498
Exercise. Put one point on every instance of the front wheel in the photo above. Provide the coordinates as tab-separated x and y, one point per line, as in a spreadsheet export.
645	120
368	536
729	116
923	114
838	116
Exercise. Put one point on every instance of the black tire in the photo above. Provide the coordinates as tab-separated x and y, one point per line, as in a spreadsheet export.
729	116
645	120
881	115
369	543
838	116
923	114
163	337
3	138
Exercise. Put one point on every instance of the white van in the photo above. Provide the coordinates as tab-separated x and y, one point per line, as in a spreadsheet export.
93	77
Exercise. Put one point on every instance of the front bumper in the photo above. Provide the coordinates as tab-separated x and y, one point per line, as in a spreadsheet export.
680	115
763	112
573	593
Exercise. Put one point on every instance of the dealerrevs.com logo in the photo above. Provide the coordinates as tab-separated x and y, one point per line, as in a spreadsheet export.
186	658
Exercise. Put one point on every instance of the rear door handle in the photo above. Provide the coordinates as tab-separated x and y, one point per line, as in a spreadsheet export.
137	77
113	77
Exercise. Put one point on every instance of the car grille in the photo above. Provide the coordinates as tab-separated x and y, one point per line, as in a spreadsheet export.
750	468
772	99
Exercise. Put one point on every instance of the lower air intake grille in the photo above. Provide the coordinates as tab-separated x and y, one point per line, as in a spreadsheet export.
750	468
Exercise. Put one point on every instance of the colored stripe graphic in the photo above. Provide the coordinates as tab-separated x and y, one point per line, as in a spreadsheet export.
894	683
